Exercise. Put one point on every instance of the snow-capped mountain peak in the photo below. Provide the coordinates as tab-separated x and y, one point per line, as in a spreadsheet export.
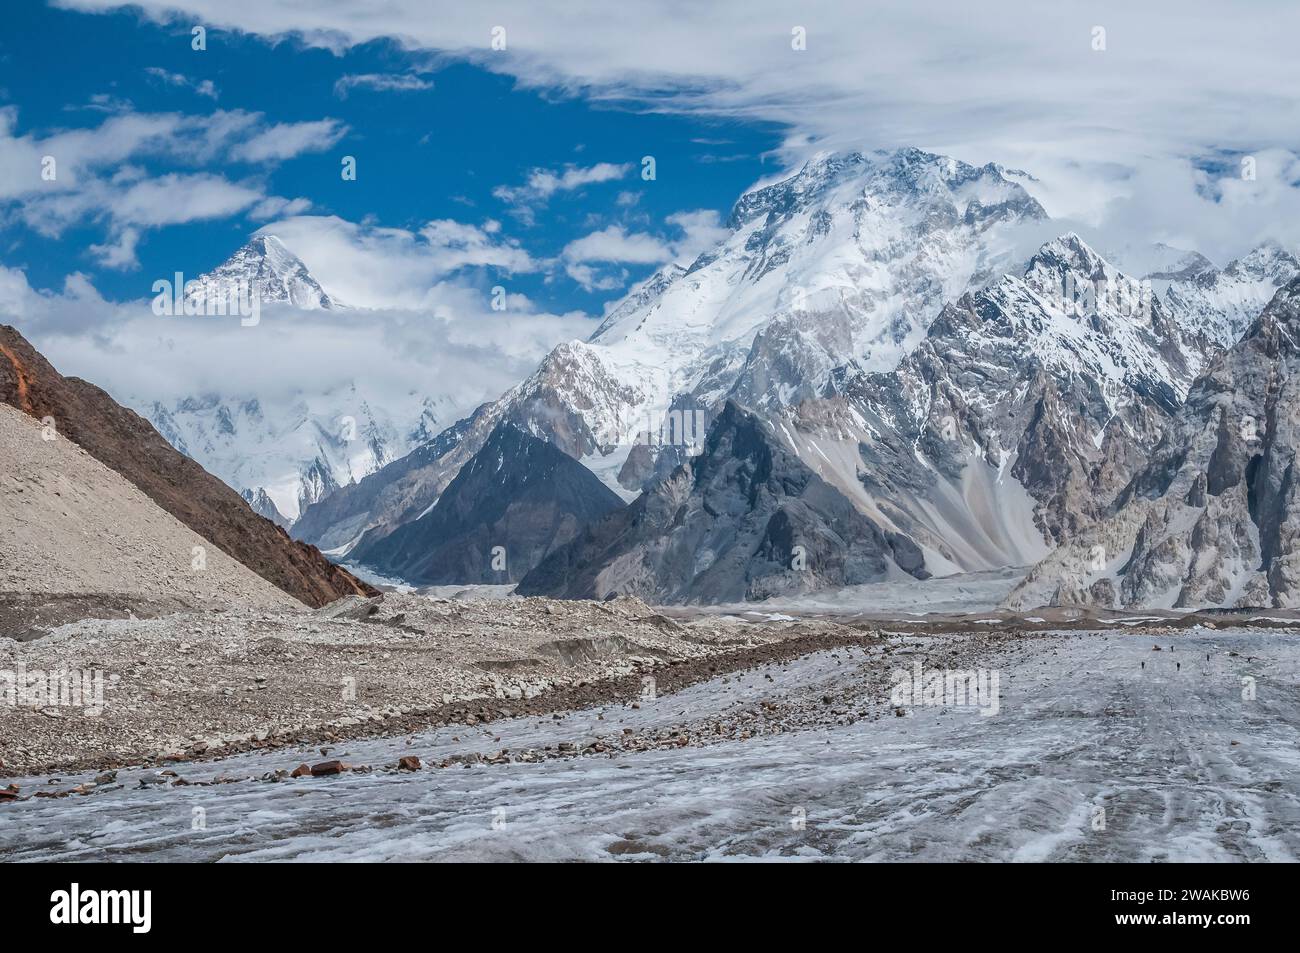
301	449
279	275
1071	251
858	251
1268	261
905	172
1177	264
1222	304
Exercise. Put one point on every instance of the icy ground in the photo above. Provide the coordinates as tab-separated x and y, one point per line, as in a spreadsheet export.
899	598
1184	768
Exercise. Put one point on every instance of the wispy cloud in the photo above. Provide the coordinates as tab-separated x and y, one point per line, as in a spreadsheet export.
288	139
118	253
456	346
610	245
57	179
381	82
584	258
373	267
541	184
203	87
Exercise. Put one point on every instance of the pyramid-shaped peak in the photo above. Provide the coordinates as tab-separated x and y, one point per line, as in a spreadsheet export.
279	275
1069	252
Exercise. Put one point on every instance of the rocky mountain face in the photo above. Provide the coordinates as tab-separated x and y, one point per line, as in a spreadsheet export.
745	519
127	444
1022	414
1222	304
1174	264
395	494
850	258
514	502
1213	518
551	404
266	264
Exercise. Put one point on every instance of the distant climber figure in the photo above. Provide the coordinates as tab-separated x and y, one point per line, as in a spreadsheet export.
1144	664
1179	666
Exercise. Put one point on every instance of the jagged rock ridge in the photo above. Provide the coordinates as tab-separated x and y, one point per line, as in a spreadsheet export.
1214	518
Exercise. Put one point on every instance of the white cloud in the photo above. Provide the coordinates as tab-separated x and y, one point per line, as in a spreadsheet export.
289	139
120	252
174	198
203	87
614	243
699	230
373	267
543	183
97	174
1024	87
454	345
74	310
275	206
170	199
611	245
381	82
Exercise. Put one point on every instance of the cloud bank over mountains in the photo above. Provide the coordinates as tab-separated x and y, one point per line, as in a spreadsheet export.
1126	113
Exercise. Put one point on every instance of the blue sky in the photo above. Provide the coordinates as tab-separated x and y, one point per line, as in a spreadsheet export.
436	151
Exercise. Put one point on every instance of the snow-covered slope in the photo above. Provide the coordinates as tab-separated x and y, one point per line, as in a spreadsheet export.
299	450
277	273
1165	263
264	506
856	253
1222	304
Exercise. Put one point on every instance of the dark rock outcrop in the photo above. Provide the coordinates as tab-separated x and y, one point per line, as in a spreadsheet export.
515	501
746	519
